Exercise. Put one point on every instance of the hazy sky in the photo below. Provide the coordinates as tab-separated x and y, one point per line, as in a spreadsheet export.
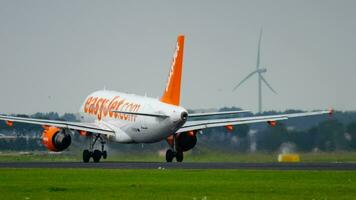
54	53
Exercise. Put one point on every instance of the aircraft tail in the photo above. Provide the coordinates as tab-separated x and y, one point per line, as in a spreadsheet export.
171	95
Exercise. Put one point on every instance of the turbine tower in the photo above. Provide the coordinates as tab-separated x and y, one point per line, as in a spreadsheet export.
259	71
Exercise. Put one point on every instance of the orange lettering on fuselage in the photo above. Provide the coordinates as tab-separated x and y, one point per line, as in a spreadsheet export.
102	107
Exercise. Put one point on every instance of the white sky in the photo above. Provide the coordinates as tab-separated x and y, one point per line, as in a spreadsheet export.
54	53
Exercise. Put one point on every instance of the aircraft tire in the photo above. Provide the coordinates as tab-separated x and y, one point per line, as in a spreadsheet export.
179	156
105	154
169	155
96	156
86	156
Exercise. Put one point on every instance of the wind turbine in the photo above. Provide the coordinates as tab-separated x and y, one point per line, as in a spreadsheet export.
259	71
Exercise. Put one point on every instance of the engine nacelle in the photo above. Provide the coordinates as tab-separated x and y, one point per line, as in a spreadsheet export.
186	140
272	123
55	139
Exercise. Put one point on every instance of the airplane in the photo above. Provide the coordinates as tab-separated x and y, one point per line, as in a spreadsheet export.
128	118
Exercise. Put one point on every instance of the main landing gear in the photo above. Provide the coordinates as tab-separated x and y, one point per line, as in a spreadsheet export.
96	154
175	152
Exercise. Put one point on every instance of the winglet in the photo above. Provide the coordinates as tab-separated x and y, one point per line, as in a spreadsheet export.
171	94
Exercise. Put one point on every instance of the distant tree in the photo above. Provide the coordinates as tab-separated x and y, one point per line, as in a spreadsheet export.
69	117
304	140
290	111
241	130
272	138
351	129
229	109
330	136
50	115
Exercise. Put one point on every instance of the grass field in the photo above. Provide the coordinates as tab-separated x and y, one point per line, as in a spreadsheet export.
203	156
175	184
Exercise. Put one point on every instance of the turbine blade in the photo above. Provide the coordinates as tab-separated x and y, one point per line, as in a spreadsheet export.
268	85
243	80
259	50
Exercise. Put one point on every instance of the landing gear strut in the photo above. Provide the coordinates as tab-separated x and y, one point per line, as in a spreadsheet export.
96	154
175	152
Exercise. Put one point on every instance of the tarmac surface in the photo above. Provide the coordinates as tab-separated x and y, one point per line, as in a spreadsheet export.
184	165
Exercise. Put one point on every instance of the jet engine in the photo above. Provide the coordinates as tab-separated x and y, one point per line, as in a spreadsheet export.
186	140
55	139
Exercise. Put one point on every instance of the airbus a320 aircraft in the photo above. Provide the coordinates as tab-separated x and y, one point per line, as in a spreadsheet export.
128	118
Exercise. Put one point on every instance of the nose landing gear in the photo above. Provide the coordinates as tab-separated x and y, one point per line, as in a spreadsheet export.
96	154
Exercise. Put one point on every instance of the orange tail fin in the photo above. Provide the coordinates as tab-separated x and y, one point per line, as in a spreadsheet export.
171	95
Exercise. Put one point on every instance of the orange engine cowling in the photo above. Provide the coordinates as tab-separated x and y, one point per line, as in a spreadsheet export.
55	139
186	140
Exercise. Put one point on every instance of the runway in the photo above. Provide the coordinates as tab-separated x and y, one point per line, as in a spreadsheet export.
184	165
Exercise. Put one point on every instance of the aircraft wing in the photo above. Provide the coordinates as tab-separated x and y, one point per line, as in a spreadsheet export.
216	113
79	126
203	124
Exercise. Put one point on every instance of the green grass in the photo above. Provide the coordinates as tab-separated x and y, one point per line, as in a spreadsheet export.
201	156
175	184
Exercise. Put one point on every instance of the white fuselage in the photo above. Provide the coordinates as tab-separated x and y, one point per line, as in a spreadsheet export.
98	108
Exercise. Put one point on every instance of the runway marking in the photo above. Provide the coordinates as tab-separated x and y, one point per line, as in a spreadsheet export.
184	165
